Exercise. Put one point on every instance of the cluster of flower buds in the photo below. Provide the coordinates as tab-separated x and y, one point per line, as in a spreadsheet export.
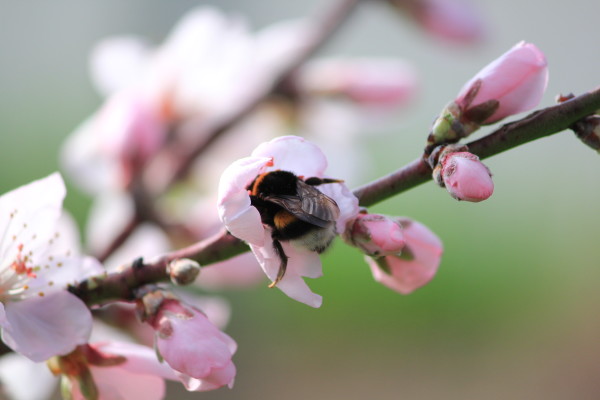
403	254
513	83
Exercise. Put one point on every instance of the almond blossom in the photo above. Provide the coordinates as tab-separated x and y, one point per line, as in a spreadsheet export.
38	316
296	155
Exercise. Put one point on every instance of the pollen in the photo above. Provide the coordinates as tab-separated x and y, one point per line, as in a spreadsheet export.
41	294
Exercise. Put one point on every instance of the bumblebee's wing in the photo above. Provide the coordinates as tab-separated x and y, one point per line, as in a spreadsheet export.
310	205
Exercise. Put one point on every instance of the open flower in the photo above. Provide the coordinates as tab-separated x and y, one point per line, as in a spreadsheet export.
38	316
415	265
243	220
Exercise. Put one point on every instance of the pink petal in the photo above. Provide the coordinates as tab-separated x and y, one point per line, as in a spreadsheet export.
141	360
346	201
117	383
466	178
42	327
35	210
294	154
455	20
405	276
301	263
517	79
235	210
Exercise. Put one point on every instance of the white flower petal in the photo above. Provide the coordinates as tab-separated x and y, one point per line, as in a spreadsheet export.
235	210
117	62
42	327
299	264
346	201
29	214
294	154
23	379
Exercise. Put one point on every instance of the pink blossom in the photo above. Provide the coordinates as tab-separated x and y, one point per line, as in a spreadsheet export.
376	235
450	20
39	318
369	81
138	375
190	344
465	177
108	149
296	155
416	265
513	83
209	63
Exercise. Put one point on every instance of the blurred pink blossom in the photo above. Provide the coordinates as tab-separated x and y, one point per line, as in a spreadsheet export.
296	155
416	265
465	177
114	144
513	83
135	373
368	81
451	20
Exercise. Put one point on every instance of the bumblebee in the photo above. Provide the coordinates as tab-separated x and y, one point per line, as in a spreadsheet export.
296	211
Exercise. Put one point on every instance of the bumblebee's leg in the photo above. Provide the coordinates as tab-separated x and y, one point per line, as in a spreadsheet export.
314	181
282	267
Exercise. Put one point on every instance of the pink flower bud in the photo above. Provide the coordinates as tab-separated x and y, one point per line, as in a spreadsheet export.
465	177
513	83
197	350
416	265
376	235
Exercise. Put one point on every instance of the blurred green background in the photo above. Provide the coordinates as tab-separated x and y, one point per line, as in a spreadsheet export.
513	311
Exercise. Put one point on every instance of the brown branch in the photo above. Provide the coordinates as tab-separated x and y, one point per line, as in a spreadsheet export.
121	285
221	246
539	124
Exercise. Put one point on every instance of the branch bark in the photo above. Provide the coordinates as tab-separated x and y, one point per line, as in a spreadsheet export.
539	124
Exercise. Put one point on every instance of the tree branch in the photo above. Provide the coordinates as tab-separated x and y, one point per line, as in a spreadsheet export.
539	124
120	286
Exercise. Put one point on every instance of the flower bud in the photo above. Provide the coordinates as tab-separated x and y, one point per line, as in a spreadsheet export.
513	83
464	176
376	235
416	265
183	271
205	366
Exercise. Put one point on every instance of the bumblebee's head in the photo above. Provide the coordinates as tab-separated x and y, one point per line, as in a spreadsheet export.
275	182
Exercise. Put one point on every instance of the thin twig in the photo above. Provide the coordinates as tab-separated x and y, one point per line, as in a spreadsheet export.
222	245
